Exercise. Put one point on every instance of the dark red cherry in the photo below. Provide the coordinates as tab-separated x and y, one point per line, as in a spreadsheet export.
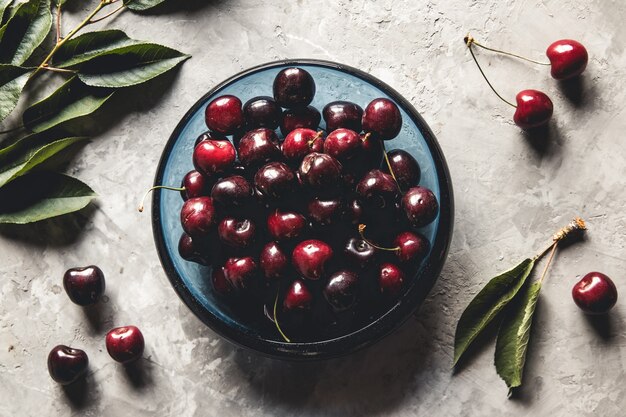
224	115
420	206
195	185
213	156
85	285
382	118
67	365
241	273
293	87
262	111
298	297
354	211
534	109
220	284
595	293
568	59
193	249
359	253
311	257
198	216
237	233
377	189
275	180
413	247
341	289
343	144
305	118
405	168
372	151
342	114
301	142
125	344
258	146
232	191
320	171
324	212
283	225
273	261
390	279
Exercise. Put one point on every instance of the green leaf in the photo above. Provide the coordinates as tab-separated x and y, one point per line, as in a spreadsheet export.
12	82
4	4
512	343
24	160
42	195
137	5
90	45
25	31
71	101
487	304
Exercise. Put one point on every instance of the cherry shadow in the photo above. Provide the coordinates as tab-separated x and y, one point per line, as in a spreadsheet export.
574	91
544	141
100	316
140	374
604	325
81	394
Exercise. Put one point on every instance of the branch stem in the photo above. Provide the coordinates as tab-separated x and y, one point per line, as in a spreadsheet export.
122	7
552	252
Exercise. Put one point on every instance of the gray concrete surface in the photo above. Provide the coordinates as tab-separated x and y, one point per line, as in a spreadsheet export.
511	194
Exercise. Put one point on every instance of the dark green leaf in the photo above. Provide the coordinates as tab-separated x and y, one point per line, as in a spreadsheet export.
22	160
137	5
514	334
487	304
12	82
90	45
42	195
4	4
71	101
25	31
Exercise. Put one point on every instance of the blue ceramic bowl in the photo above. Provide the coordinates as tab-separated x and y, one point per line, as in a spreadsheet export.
190	280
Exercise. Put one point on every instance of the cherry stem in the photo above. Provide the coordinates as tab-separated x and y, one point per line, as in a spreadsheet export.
318	136
469	39
576	225
393	175
552	252
157	187
362	228
469	42
276	319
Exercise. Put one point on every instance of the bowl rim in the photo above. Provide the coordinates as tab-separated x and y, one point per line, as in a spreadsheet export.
408	303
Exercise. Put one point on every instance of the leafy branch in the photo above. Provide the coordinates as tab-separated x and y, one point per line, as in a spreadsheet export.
97	64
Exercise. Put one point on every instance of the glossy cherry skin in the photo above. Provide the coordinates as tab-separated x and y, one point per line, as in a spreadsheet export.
198	216
195	185
233	191
125	344
382	118
258	146
342	114
220	284
284	225
262	111
390	279
343	144
67	365
301	142
242	273
405	168
595	293
193	250
311	257
298	297
293	87
325	212
213	156
320	171
85	285
341	290
359	253
377	189
413	247
354	211
568	59
306	118
420	206
534	109
372	151
275	180
237	233
273	261
224	115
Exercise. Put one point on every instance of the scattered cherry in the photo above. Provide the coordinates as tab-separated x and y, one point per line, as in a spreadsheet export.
568	59
275	180
390	279
343	144
258	146
405	168
534	109
85	285
262	111
293	87
66	365
241	272
232	191
595	293
125	344
311	257
224	115
195	185
377	189
301	142
213	156
343	114
320	171
412	247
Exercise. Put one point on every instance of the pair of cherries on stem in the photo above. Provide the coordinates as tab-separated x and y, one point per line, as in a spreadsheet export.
568	59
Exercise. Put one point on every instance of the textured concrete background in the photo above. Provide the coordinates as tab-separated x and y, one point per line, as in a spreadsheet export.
512	192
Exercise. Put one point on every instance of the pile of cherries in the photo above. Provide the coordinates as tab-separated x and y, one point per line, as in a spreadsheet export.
310	229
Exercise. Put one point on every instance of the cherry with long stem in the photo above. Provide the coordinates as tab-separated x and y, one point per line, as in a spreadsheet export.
158	187
470	40
362	228
275	311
